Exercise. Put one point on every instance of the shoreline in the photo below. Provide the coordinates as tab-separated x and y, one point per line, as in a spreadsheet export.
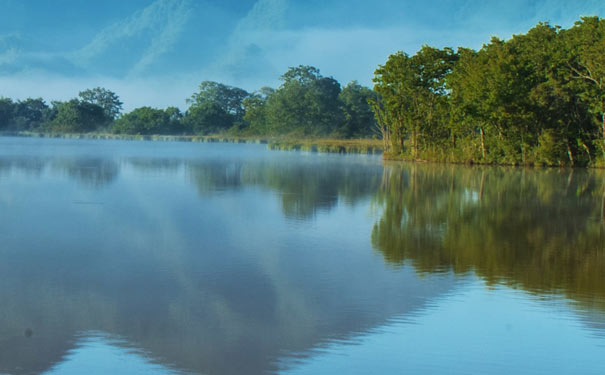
317	145
323	145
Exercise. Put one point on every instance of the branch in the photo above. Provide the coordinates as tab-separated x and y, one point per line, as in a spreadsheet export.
584	76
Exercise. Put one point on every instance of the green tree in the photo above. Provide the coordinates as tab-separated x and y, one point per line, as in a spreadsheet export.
359	119
207	118
175	121
215	108
228	98
586	62
30	114
414	96
7	109
106	99
306	104
146	121
75	116
255	116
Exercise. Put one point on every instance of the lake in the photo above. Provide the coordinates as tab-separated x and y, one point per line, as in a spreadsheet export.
187	258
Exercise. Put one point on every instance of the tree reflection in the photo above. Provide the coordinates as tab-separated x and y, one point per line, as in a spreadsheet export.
541	230
90	172
304	188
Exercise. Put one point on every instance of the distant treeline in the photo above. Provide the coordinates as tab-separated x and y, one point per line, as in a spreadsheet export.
306	104
538	98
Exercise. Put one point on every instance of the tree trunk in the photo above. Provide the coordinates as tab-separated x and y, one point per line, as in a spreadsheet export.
603	120
603	124
523	149
569	154
587	151
414	145
482	143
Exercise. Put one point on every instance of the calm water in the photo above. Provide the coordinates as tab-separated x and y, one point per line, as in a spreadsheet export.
170	258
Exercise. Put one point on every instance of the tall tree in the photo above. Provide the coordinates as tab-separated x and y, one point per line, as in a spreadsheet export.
586	42
306	103
106	99
144	121
359	120
228	98
75	116
7	109
215	108
414	95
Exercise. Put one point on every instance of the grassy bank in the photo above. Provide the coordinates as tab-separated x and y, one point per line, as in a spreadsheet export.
342	146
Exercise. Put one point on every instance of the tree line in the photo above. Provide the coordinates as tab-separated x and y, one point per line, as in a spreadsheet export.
306	104
538	98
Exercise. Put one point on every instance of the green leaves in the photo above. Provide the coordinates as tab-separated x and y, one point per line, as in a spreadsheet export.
75	116
415	96
147	121
531	99
106	99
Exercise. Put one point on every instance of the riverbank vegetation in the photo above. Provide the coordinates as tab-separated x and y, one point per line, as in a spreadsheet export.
538	98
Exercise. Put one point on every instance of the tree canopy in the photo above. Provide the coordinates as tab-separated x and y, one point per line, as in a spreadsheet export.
536	98
106	99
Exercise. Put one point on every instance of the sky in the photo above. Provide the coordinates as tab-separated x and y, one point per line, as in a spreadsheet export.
156	52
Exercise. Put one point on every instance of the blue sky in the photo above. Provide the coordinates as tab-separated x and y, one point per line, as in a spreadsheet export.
156	52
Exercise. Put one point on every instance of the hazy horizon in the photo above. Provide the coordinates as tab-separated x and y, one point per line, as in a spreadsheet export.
157	52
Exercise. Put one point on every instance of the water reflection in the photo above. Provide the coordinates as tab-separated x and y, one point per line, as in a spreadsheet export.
505	332
305	188
211	276
98	353
541	230
192	254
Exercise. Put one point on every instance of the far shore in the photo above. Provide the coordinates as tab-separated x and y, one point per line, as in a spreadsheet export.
327	145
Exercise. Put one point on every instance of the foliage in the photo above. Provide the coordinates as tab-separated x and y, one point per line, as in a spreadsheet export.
358	117
215	108
147	120
106	99
413	90
536	98
75	116
306	103
207	118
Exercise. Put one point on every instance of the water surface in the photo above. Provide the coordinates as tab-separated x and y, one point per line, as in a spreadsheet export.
162	258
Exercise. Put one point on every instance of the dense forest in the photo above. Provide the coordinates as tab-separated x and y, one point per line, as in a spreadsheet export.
306	104
537	98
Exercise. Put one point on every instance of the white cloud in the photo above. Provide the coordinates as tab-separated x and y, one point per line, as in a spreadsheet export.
255	32
8	50
164	20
